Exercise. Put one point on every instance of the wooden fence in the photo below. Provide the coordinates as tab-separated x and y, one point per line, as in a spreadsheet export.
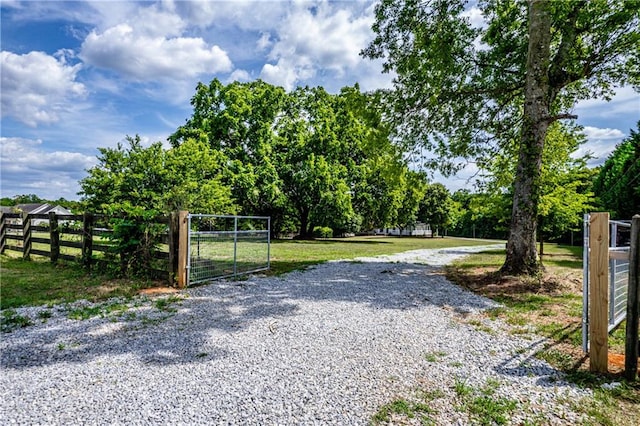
85	236
599	253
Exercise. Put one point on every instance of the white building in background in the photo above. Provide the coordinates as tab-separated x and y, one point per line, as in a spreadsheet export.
419	229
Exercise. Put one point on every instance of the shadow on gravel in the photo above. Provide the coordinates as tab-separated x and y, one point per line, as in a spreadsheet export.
196	332
531	366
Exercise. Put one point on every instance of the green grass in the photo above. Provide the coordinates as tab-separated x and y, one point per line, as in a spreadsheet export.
10	320
38	282
103	310
404	408
288	255
434	356
555	256
483	405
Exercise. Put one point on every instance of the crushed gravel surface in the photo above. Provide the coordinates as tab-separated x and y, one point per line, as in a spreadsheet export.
328	345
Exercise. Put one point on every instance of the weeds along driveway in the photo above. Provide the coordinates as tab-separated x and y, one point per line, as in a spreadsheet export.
329	345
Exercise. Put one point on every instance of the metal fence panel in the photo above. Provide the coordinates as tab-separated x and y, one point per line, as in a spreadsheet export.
224	246
618	282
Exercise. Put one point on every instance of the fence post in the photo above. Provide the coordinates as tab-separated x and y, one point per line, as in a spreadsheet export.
3	232
183	242
235	246
633	304
174	237
26	236
54	237
87	239
599	292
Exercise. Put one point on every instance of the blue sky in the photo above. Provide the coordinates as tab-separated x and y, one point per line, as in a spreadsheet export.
81	75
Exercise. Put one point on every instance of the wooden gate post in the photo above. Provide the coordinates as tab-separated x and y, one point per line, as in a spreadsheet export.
183	241
87	239
633	304
3	232
599	292
54	237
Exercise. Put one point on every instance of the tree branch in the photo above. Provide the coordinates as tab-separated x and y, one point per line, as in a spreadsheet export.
557	117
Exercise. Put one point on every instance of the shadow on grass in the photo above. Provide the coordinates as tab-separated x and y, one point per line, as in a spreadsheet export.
330	241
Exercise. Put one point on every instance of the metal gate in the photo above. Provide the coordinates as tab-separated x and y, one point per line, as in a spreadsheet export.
618	276
227	246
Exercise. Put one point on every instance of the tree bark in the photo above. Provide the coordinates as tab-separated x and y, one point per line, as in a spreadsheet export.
521	247
304	234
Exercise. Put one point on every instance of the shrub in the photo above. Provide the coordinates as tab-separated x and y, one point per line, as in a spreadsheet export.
322	232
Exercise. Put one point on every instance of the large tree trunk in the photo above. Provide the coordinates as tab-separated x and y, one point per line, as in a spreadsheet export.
521	246
305	233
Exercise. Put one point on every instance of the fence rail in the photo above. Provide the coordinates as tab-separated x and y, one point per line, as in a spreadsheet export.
220	246
81	240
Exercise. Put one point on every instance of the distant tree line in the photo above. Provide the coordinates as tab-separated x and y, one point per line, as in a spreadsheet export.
72	205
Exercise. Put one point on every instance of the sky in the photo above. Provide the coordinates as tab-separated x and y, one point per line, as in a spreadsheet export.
77	76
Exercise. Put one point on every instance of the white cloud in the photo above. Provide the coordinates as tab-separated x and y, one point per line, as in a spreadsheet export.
600	143
475	16
28	168
594	133
239	75
264	42
244	15
147	58
36	87
287	73
625	100
317	38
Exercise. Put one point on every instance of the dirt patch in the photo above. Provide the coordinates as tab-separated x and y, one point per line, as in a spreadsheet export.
158	291
490	283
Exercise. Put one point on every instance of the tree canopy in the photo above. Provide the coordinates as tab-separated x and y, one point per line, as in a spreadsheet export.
132	179
465	92
306	158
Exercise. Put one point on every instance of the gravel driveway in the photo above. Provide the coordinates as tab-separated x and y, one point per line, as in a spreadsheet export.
329	345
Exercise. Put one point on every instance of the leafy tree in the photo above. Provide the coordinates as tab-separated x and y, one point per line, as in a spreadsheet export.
481	215
436	208
238	120
134	179
465	92
22	199
413	193
618	182
306	158
565	183
134	184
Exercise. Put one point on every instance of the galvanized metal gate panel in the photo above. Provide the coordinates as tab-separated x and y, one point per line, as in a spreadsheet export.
221	246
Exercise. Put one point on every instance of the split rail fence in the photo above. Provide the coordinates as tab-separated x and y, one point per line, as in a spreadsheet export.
87	239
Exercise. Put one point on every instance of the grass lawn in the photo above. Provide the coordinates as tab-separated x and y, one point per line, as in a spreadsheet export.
38	282
288	255
551	305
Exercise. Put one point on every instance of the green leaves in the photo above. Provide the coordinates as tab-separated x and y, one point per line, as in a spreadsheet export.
135	180
306	158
